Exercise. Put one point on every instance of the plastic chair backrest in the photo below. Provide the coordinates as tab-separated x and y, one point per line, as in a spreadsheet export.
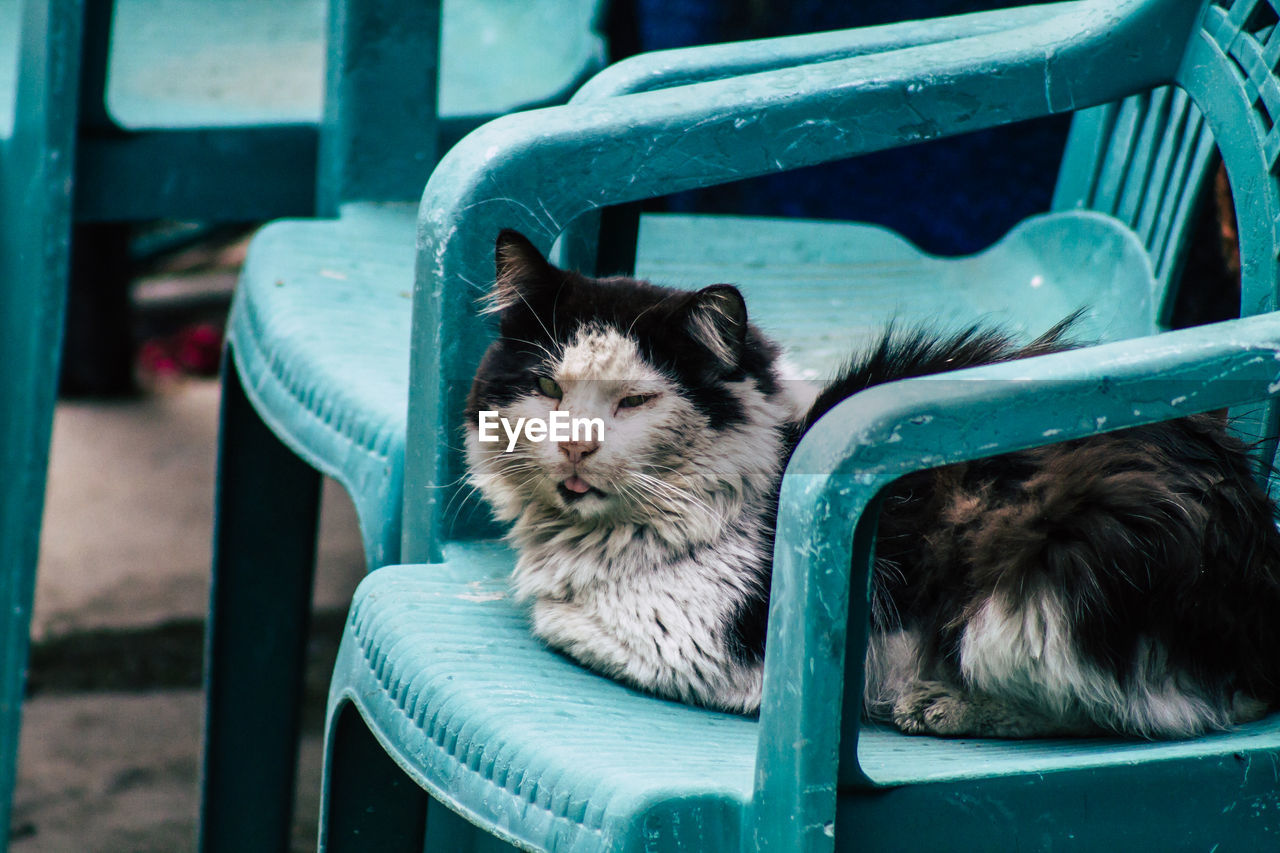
1228	70
378	142
35	172
1144	161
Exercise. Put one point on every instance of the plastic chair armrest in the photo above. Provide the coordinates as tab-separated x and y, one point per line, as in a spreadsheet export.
827	518
663	69
668	68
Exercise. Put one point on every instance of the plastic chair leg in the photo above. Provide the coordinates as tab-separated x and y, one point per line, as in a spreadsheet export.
369	802
263	566
98	347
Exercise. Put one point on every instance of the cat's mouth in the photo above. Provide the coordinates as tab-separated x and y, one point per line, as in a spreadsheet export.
574	489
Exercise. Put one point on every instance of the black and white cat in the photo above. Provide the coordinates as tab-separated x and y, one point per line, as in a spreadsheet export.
1128	582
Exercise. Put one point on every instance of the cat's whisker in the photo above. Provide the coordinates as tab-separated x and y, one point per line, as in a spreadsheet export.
536	317
645	498
474	285
685	496
634	495
668	468
467	494
539	347
632	327
682	494
533	472
461	478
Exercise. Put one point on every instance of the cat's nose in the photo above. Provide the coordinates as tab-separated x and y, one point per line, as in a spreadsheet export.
576	451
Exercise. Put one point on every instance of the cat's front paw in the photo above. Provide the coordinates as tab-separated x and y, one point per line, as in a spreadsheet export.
932	708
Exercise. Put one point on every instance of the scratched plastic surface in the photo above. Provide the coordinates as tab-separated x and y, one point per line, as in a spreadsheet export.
818	779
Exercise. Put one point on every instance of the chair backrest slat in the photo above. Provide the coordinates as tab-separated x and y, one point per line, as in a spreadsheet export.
1188	171
1084	157
1153	204
1144	161
1146	149
1119	154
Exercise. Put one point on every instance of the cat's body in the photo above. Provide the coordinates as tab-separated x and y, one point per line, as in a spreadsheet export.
1125	582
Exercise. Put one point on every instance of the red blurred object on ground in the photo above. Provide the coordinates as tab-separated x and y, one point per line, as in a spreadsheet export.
194	350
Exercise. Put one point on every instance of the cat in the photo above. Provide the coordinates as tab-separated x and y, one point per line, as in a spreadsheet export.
1126	583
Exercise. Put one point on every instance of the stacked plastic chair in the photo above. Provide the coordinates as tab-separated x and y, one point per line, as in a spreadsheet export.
36	151
212	112
320	304
450	725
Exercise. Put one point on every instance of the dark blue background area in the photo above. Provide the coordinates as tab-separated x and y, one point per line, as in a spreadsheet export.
951	196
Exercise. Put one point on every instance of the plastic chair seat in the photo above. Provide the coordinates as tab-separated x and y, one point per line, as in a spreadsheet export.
320	324
319	331
502	729
506	730
822	288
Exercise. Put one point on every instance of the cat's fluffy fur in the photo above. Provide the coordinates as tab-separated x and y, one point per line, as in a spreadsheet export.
1127	582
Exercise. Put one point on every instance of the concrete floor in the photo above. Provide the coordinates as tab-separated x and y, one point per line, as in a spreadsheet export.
111	736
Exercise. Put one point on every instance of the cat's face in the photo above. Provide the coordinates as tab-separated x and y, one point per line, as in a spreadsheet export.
658	383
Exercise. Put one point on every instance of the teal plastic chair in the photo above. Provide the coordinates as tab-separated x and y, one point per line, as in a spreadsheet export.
295	403
450	725
212	111
317	380
235	86
36	152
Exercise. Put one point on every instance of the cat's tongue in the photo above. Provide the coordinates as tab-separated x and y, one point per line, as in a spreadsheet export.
577	485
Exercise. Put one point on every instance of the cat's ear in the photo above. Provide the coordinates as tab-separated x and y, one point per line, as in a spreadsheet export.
520	271
716	317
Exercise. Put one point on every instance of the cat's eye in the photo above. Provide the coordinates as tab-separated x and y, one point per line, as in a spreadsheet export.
634	400
549	387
